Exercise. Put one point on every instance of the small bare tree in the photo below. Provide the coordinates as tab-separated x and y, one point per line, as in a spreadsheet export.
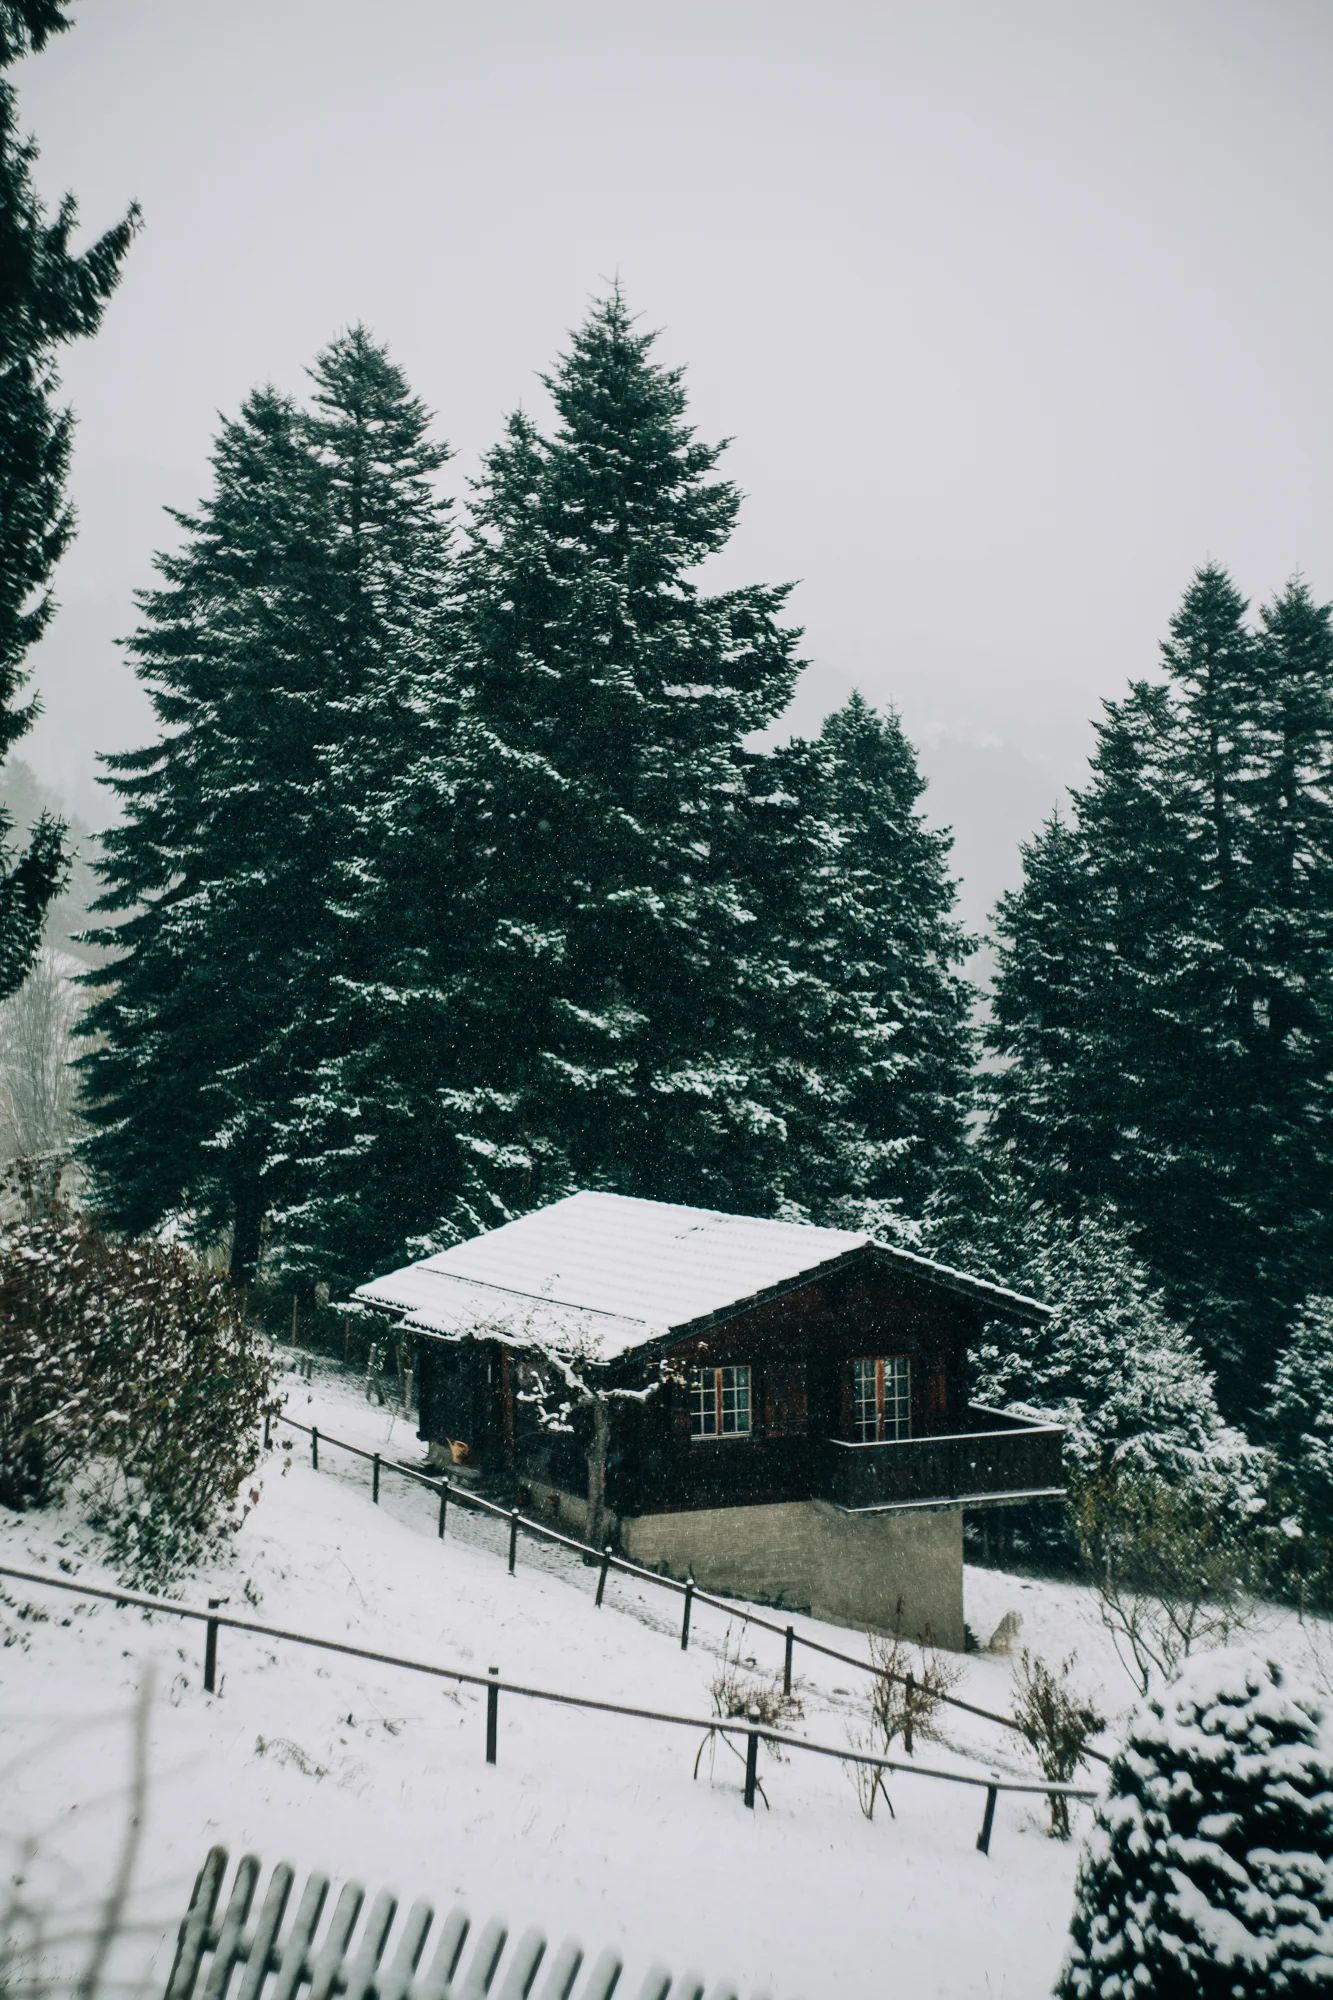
38	1043
1171	1565
566	1373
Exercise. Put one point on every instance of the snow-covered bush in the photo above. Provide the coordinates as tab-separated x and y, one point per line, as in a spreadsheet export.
55	1334
1209	1869
134	1371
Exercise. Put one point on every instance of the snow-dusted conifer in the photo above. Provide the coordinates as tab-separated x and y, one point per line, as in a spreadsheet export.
565	997
1298	1422
864	1032
605	705
47	297
284	649
1209	1869
1110	1364
1164	1001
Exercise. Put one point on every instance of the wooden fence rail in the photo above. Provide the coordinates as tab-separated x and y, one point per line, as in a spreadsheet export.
751	1730
604	1560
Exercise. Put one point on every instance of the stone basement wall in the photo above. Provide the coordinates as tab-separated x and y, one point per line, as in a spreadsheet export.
876	1572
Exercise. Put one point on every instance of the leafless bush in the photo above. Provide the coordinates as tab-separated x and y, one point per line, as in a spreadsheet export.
908	1688
741	1691
869	1779
1057	1725
51	1949
905	1696
1171	1565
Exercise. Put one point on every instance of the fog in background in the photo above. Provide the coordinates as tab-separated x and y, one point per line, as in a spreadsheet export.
1014	312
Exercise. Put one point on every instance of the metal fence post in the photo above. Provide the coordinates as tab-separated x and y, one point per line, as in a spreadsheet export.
211	1649
908	1712
685	1621
444	1502
513	1538
987	1820
492	1714
601	1581
375	1479
752	1758
786	1661
314	1447
267	1421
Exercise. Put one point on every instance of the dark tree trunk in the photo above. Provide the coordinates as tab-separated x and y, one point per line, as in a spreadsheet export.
247	1219
597	1456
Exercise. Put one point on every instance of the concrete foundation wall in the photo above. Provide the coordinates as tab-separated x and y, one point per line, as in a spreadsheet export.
877	1572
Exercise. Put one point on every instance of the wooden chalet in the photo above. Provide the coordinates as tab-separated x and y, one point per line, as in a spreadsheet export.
814	1445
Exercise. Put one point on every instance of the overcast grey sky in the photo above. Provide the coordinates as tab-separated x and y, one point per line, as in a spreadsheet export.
1015	309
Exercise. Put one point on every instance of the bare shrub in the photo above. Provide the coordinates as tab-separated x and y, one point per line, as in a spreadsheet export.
1056	1723
905	1696
1172	1564
57	1947
740	1690
869	1779
908	1688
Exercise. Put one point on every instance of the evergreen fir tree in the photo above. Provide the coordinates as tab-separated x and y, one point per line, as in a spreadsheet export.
1110	1365
1298	1422
288	657
565	999
48	296
1209	1871
864	1031
1163	993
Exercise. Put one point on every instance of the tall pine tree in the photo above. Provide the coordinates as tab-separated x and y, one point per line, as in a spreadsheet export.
863	1028
286	655
1163	1000
562	999
48	296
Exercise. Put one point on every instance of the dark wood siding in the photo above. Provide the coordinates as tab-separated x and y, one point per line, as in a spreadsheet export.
800	1350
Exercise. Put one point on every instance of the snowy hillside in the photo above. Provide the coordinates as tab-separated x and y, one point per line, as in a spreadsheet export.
588	1823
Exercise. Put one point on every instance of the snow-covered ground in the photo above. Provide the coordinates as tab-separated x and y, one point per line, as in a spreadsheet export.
587	1824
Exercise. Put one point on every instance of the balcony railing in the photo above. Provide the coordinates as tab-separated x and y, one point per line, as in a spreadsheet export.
1002	1458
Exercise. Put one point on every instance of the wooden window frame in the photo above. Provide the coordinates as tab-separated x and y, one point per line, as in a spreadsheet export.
901	1402
699	1405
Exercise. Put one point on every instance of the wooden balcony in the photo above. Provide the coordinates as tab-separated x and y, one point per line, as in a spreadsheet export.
999	1459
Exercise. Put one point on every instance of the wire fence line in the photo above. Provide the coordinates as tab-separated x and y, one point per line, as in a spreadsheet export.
751	1731
605	1561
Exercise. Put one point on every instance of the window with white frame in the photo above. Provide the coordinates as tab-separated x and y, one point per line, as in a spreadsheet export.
720	1402
882	1397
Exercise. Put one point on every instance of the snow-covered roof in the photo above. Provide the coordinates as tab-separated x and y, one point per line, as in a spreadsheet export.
623	1272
